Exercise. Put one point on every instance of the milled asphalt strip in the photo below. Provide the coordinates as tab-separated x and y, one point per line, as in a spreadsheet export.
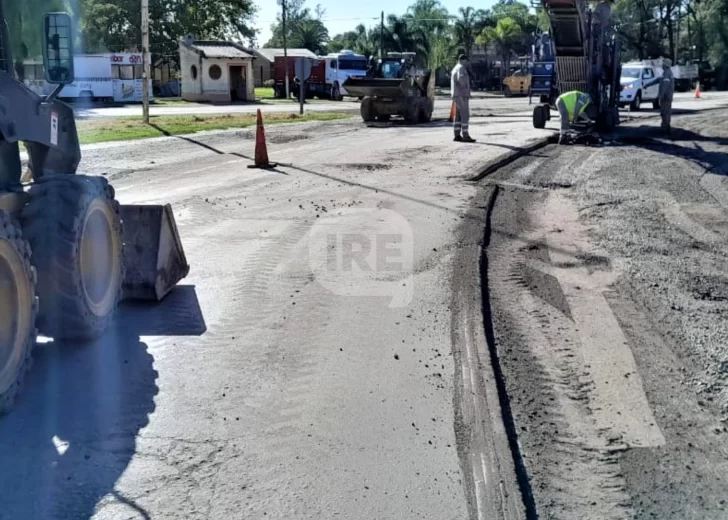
509	157
496	486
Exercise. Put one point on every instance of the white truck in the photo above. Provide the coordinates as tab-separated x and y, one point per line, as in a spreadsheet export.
641	81
341	66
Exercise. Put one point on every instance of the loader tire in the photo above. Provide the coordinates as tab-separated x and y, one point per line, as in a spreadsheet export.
539	116
368	112
72	223
18	308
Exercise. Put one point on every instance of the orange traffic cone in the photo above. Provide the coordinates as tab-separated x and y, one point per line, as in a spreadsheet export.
697	89
453	112
261	149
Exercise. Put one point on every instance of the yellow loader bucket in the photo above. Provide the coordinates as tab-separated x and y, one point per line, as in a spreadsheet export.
153	255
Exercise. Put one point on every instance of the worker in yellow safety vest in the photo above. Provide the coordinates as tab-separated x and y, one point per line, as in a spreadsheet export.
574	107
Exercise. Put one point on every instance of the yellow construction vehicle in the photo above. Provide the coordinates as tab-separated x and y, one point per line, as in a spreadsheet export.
518	82
69	253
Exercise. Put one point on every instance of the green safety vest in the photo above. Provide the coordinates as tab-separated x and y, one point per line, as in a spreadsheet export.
575	102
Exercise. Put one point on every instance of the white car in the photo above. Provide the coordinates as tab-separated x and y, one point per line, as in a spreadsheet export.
640	83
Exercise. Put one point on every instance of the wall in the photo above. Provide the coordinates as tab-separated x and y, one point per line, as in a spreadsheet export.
262	70
191	88
217	90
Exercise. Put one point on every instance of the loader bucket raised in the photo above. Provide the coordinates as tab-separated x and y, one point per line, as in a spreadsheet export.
380	87
153	255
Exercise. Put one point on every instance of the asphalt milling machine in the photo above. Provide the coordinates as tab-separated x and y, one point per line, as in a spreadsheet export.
69	252
396	86
587	52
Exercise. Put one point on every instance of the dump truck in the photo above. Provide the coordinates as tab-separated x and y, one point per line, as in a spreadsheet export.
69	252
587	52
396	86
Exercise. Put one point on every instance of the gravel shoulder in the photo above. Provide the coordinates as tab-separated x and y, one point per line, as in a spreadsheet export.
607	270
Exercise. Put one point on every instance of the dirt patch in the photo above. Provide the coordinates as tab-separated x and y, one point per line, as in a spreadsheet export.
286	138
369	167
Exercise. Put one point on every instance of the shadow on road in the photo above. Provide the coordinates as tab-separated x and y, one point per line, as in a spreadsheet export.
651	138
73	430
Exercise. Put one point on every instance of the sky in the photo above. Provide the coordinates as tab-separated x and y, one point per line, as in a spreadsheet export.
343	16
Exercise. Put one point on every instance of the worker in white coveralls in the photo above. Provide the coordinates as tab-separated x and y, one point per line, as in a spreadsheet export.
574	107
460	87
667	91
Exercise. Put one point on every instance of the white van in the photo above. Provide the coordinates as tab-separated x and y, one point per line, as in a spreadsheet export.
640	82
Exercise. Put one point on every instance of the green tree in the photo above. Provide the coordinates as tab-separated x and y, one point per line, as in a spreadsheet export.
303	28
504	37
311	35
116	24
468	26
25	23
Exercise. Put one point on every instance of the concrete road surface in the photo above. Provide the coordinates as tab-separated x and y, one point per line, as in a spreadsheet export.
327	357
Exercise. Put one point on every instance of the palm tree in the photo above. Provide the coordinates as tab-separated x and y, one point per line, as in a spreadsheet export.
442	53
505	36
403	35
468	26
311	35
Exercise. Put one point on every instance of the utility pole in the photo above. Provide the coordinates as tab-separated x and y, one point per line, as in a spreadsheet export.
381	38
285	49
145	59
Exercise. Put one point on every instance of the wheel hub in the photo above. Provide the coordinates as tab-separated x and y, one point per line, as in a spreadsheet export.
99	260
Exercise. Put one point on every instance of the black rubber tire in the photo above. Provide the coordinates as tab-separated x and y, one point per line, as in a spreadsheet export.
539	117
336	93
54	222
425	114
368	114
636	103
383	118
15	253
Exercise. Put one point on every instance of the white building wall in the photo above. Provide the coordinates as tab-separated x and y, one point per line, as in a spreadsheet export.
191	87
204	87
216	89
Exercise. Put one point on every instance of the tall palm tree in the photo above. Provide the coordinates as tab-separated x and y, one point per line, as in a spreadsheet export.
311	35
505	37
468	26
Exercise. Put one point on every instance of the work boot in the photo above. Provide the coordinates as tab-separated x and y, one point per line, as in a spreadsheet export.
468	139
563	139
458	138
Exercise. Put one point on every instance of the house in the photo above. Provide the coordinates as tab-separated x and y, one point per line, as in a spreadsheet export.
265	58
215	71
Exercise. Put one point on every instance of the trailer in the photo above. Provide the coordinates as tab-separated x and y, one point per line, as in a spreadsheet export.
99	77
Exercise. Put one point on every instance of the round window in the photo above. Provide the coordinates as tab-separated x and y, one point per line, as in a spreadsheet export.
193	71
215	72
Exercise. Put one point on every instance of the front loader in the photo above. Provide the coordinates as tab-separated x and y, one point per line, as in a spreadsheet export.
69	252
397	87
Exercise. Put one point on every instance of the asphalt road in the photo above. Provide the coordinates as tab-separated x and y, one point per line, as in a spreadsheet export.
327	357
607	281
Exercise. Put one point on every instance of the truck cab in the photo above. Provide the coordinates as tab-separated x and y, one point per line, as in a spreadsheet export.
640	82
342	66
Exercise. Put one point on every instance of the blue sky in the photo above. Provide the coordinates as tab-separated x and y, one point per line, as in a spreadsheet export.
343	15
